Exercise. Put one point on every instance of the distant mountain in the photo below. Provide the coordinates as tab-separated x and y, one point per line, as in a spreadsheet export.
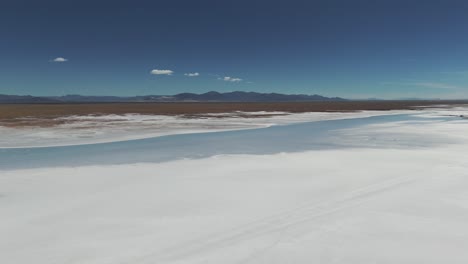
182	97
251	97
27	99
416	99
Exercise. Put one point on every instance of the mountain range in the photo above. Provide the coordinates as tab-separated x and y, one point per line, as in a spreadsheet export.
237	96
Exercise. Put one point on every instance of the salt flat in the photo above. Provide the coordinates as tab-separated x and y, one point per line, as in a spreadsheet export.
91	129
393	192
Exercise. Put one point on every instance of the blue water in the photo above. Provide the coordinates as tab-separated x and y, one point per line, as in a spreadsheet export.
276	139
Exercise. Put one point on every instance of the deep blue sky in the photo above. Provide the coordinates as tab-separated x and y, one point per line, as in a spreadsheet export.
354	49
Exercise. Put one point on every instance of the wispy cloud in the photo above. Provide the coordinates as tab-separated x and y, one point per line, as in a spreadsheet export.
435	85
192	74
455	73
231	79
59	59
425	84
161	72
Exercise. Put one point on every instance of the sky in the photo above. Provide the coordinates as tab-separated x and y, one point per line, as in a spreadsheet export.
354	49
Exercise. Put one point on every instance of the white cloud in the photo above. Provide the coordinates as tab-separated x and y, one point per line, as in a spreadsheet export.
231	79
59	59
426	84
161	72
194	74
460	73
436	85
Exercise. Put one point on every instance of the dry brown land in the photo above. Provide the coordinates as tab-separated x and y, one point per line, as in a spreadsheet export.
44	114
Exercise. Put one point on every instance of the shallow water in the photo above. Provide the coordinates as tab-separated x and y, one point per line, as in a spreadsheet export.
276	139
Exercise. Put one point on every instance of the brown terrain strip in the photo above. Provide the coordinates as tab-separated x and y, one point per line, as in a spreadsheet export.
44	114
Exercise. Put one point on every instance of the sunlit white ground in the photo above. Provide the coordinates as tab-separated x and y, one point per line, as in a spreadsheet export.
110	128
355	205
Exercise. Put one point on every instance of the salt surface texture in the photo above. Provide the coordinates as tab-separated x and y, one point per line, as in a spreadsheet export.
352	205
